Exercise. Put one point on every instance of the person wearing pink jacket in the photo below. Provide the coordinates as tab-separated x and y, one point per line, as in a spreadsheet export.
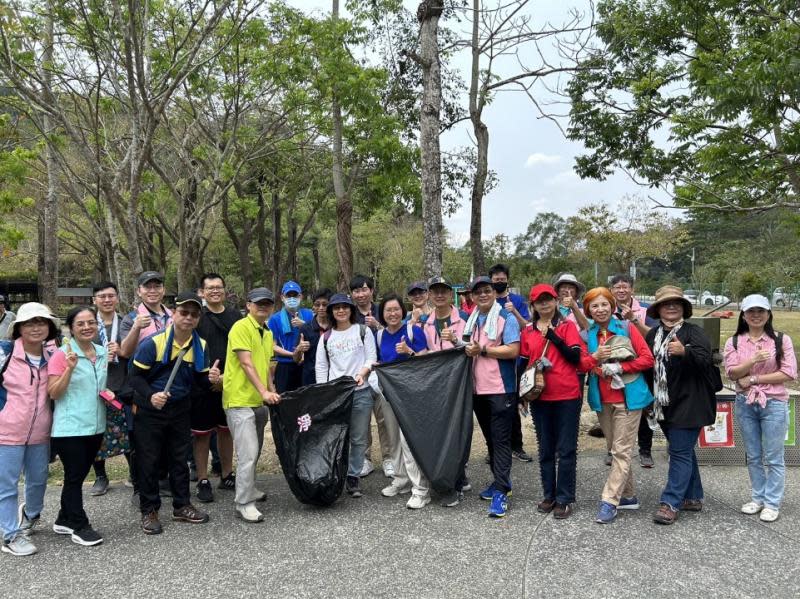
25	422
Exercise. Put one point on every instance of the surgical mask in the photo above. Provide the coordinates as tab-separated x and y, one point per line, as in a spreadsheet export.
500	287
292	302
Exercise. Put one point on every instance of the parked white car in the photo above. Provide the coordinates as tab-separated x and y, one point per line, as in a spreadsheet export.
709	299
782	297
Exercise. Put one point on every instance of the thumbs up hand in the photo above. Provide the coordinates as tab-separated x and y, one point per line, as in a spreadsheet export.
402	347
302	345
72	359
214	374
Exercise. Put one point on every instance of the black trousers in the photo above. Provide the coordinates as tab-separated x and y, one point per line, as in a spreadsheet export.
495	414
288	376
163	432
645	435
77	456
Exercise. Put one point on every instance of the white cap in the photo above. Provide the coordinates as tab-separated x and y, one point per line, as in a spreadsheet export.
755	301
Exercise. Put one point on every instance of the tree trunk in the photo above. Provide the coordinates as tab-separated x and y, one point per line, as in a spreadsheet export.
277	246
430	126
481	132
344	207
48	275
317	269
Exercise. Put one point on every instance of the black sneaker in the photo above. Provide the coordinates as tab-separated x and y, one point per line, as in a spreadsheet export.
100	486
522	456
86	536
204	492
353	486
228	483
452	499
190	514
151	525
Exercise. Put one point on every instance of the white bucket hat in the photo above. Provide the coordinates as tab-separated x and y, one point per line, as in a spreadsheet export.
568	277
33	310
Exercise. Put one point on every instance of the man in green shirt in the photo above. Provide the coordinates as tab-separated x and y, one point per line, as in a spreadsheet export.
246	388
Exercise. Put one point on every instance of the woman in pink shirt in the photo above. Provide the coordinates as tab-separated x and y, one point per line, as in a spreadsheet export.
761	361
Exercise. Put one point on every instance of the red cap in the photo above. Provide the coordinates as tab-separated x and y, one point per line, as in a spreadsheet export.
541	289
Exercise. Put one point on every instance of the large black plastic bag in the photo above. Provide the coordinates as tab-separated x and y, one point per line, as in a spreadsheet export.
431	396
311	430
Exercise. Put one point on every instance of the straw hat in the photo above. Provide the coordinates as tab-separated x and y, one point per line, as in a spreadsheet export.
665	294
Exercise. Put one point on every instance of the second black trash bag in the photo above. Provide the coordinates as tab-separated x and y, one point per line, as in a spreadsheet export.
431	396
311	430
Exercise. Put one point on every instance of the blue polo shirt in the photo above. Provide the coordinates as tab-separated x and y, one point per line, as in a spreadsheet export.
284	334
386	348
149	356
519	303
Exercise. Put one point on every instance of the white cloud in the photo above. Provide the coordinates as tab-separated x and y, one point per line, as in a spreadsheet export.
538	158
539	204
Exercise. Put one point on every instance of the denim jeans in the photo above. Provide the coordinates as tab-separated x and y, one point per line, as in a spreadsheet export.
14	459
359	429
683	477
764	431
556	424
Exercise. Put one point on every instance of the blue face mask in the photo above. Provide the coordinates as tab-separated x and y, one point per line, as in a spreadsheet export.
292	302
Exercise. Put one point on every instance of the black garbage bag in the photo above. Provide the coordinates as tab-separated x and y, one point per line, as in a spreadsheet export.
431	396
311	430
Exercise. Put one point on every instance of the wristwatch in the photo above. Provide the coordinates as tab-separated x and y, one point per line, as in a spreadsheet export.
752	380
483	351
635	320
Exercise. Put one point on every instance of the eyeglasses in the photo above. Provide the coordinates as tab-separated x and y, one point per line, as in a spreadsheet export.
188	314
483	291
36	322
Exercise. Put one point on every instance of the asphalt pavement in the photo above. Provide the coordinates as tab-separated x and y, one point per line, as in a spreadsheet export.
375	547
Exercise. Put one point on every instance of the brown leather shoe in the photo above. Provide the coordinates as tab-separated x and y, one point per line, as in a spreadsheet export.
665	515
545	506
562	511
150	524
692	505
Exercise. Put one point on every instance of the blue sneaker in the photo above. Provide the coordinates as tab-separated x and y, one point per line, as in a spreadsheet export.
499	505
628	503
487	493
606	513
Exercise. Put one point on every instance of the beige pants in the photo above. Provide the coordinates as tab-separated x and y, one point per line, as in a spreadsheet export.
620	427
388	431
409	471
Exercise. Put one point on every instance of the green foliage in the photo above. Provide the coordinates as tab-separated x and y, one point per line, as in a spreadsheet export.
702	96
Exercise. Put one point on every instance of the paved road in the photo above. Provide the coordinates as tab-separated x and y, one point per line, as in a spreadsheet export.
374	547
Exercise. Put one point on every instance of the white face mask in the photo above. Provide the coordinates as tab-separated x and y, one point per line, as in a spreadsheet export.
292	302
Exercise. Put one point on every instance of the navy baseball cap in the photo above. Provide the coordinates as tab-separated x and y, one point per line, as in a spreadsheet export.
482	280
421	285
340	298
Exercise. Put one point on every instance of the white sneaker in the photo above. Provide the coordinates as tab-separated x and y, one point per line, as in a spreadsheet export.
249	513
394	490
417	502
20	546
367	468
388	469
751	507
768	515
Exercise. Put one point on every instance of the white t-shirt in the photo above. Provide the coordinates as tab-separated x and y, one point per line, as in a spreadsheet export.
348	355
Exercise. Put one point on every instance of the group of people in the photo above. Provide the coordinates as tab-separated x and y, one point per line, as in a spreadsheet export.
163	387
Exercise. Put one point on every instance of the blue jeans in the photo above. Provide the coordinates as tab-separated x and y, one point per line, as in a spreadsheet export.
359	429
764	431
556	424
14	459
683	477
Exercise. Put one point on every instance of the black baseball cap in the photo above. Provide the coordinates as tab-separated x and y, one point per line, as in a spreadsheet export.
259	294
188	297
421	285
482	280
149	275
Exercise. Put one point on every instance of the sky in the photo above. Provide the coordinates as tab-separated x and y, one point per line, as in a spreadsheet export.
530	155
